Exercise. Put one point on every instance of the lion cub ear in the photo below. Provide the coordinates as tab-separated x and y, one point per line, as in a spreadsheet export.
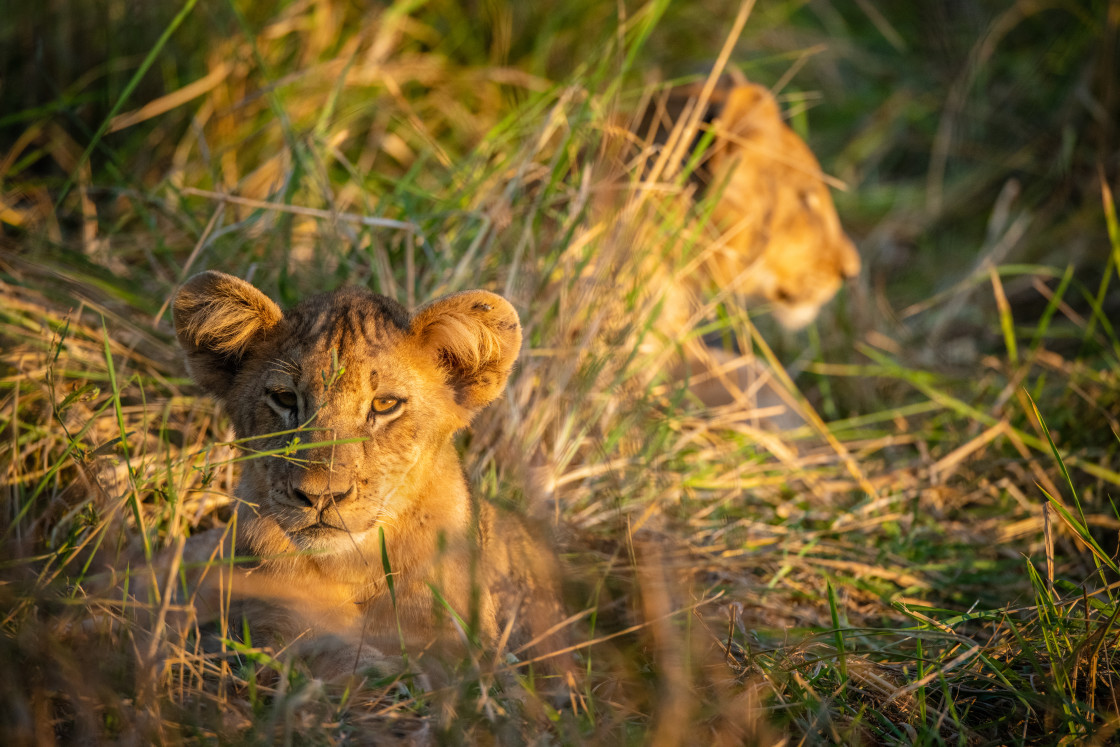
217	319
750	119
476	337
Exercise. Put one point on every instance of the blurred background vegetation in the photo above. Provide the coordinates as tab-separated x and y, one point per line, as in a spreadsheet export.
926	111
974	139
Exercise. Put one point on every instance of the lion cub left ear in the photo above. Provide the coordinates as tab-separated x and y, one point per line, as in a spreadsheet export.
476	337
218	320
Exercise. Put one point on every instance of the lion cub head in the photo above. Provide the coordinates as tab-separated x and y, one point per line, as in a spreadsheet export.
349	402
777	233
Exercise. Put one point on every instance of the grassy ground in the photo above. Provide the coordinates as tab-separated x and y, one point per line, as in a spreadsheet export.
932	560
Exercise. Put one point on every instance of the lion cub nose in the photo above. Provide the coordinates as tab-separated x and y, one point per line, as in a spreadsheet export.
849	258
319	488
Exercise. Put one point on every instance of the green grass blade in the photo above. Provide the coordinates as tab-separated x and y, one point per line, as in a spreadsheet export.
141	71
837	633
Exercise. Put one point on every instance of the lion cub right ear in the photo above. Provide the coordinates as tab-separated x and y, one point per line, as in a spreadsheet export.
217	317
748	128
475	337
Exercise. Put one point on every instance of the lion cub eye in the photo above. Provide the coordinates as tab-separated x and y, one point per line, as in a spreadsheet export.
385	405
284	398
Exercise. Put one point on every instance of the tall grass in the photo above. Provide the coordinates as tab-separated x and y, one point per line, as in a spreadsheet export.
931	558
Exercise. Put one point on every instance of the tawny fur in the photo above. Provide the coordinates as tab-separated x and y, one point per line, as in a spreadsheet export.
772	235
313	519
219	313
774	229
767	230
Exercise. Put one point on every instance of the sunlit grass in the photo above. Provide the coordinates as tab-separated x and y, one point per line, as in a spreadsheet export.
930	558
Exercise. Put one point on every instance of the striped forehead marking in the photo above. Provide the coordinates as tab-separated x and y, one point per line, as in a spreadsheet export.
348	317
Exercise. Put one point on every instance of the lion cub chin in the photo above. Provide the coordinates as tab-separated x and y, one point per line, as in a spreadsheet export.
350	403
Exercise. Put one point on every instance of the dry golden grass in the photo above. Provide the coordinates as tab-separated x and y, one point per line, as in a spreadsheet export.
891	571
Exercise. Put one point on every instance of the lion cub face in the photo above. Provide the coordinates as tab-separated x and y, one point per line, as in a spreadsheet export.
352	399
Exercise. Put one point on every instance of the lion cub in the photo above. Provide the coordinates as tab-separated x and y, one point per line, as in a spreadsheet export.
350	404
777	234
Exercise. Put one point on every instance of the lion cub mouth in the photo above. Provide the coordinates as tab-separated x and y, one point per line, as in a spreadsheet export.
321	536
318	527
